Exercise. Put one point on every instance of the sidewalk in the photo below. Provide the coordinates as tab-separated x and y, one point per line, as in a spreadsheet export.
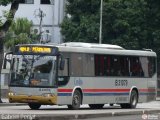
5	100
158	99
6	103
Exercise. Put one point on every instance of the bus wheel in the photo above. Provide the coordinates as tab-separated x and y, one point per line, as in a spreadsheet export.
96	106
111	104
133	100
76	101
34	106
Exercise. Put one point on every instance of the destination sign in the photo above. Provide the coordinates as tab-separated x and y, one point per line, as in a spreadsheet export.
37	50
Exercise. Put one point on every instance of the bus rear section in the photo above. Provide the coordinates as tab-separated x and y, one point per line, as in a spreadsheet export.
123	79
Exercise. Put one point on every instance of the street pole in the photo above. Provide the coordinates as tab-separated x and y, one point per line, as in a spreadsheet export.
1	61
40	14
0	90
40	24
100	27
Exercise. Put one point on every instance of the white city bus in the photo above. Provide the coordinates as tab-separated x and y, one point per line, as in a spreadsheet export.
81	73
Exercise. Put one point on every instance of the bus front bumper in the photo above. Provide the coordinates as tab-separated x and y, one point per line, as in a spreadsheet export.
43	100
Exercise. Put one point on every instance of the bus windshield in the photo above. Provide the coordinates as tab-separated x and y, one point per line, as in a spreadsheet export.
33	70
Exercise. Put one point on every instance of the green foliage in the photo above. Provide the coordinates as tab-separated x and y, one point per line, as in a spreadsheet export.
133	24
123	22
21	38
5	16
82	25
5	2
5	13
19	33
21	25
82	32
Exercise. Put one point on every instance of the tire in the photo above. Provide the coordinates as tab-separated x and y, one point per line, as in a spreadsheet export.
76	100
34	106
124	105
133	100
96	106
111	104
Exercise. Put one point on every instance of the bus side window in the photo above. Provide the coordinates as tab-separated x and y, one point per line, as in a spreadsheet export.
99	65
151	66
65	71
136	67
111	65
124	66
63	75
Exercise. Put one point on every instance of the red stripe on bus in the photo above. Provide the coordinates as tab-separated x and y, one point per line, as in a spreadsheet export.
107	90
65	90
147	90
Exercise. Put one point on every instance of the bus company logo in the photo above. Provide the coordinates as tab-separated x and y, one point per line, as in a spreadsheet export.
144	116
149	117
78	82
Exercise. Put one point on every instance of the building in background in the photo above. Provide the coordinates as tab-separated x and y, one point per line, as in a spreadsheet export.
46	16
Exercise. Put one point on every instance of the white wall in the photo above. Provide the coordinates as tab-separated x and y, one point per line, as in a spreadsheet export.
28	10
58	18
51	21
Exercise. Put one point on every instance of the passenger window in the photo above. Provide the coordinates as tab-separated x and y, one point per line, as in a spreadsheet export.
136	68
151	66
64	72
109	65
63	75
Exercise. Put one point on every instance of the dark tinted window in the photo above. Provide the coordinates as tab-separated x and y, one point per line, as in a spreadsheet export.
108	65
45	2
151	66
27	1
114	65
135	67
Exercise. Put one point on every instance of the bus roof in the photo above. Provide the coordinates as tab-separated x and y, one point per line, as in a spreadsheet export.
92	45
79	47
102	49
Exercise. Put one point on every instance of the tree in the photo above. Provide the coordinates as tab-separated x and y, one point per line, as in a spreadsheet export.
18	33
81	24
153	28
124	23
132	24
5	26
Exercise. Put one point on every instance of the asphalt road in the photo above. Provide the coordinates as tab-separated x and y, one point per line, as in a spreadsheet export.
129	117
151	110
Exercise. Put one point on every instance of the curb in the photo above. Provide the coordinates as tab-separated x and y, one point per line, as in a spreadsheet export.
12	104
90	116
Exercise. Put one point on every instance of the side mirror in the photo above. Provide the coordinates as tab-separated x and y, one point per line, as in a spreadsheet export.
6	60
4	64
62	63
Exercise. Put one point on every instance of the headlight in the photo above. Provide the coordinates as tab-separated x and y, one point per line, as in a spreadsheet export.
11	94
